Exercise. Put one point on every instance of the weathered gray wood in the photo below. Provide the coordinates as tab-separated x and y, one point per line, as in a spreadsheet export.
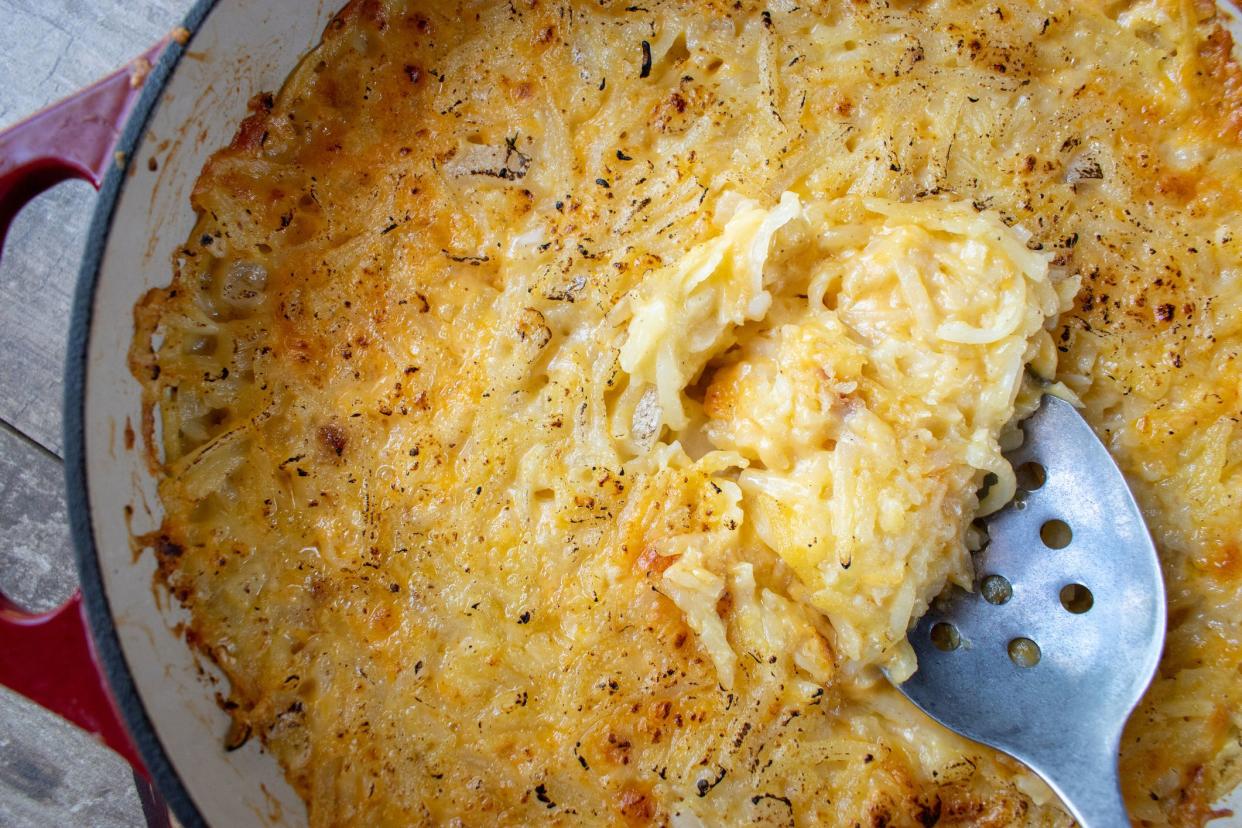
37	274
51	773
36	559
48	49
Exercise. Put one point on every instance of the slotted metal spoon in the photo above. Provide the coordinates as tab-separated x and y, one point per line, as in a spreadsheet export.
1048	655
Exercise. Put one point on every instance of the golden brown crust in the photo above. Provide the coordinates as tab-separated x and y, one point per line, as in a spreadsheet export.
356	309
1224	82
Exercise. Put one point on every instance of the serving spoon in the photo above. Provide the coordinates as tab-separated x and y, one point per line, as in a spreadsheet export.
1046	658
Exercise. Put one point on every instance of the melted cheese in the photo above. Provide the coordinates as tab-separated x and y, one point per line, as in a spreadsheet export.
534	368
687	313
863	371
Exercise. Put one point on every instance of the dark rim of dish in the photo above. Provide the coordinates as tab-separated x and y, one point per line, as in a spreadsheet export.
108	651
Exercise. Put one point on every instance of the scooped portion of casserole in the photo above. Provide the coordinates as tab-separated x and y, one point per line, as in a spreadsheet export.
857	361
563	410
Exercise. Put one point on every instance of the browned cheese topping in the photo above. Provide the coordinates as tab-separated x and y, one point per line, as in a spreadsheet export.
563	408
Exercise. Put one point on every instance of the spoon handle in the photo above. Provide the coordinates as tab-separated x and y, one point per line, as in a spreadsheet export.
1089	786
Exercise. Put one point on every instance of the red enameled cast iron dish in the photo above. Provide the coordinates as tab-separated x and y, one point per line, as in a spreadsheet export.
110	660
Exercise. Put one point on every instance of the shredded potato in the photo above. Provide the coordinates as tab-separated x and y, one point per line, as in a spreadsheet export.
565	408
863	373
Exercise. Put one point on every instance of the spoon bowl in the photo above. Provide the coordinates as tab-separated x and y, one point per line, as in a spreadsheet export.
1048	655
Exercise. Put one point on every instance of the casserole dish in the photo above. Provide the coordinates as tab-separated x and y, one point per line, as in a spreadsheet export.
238	49
168	106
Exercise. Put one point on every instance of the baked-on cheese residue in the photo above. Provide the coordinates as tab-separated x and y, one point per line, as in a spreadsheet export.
860	360
564	406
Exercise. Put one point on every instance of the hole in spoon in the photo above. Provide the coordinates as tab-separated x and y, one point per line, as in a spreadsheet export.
1030	476
945	637
996	589
1076	598
989	480
1024	652
1056	534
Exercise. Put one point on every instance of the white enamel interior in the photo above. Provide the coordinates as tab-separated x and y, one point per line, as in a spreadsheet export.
243	47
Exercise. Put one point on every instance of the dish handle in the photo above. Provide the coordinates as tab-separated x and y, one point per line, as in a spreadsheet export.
73	138
49	657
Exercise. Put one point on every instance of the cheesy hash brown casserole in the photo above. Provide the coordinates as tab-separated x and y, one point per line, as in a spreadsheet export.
563	409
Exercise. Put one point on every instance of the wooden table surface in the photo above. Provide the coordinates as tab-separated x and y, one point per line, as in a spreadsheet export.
51	773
